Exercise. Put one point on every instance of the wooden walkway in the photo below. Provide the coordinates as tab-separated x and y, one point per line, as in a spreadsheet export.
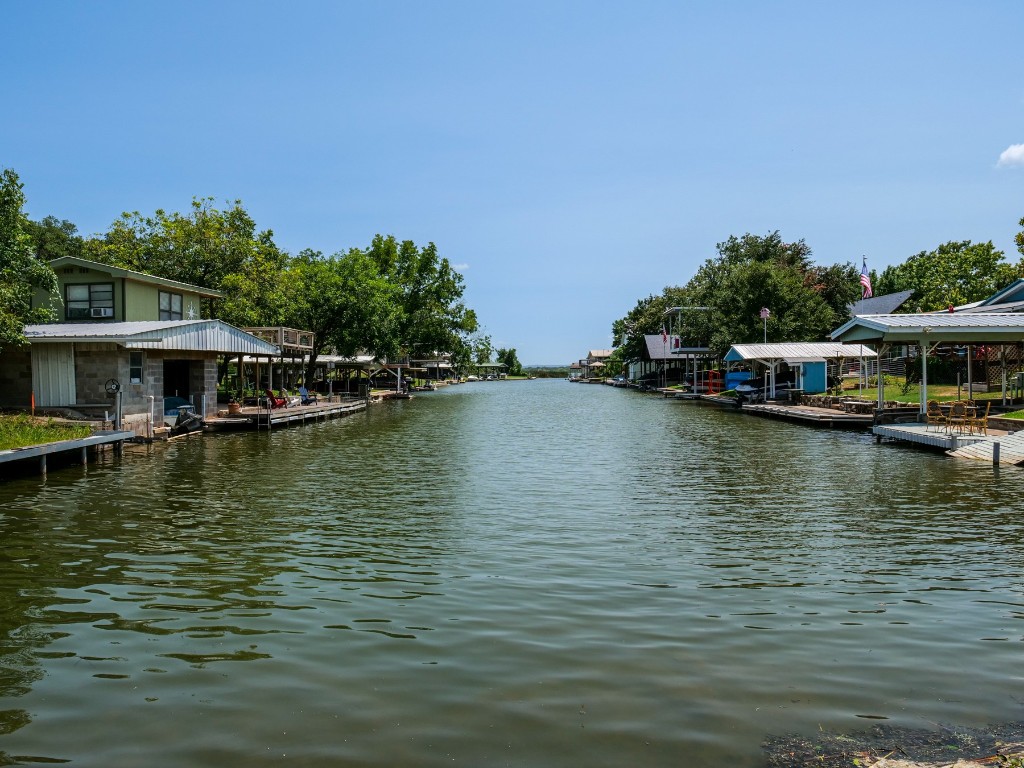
261	418
808	414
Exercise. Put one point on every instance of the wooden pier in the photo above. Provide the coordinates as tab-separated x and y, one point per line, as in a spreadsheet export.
262	418
809	414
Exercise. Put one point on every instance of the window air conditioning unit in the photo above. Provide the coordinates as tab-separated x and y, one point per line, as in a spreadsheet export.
102	311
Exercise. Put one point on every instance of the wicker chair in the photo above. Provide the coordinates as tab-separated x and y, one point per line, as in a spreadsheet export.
957	418
980	423
934	415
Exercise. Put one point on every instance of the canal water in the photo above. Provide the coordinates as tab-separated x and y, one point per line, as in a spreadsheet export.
526	574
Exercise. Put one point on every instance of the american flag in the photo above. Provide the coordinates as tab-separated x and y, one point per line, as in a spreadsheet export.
865	280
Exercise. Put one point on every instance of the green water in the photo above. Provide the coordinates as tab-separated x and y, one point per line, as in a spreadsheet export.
515	573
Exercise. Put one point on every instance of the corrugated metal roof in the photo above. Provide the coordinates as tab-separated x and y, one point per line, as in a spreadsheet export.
806	352
671	349
179	335
940	327
880	305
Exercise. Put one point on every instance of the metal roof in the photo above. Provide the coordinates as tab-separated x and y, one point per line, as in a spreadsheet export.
880	305
797	352
934	328
128	274
179	335
658	348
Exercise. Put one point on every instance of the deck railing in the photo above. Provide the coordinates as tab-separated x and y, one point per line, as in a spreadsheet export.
288	339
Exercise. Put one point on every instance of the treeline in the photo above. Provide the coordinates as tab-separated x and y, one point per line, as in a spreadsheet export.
721	304
390	299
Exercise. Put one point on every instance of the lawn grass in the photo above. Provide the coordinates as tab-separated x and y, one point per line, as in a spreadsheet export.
22	430
940	392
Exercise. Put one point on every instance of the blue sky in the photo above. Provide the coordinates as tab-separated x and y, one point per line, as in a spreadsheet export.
570	157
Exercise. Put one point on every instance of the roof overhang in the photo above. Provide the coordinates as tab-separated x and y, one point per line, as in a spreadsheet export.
796	352
952	328
173	335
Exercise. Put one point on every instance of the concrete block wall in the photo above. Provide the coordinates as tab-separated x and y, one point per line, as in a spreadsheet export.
15	377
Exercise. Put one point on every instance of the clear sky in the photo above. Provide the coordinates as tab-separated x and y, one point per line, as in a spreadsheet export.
570	157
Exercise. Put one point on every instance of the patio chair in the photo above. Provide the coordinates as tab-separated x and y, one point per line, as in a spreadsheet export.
934	415
274	401
957	418
980	423
307	397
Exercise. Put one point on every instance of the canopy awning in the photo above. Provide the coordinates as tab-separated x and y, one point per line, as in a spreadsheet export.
795	352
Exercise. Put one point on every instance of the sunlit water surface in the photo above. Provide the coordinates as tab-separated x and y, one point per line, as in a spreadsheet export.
518	573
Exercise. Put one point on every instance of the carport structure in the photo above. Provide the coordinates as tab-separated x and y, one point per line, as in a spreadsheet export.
929	331
794	354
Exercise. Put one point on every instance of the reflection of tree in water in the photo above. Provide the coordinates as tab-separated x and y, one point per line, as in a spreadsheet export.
207	541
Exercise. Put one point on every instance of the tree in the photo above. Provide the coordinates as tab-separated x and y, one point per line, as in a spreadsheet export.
255	295
957	272
806	301
343	300
432	318
481	348
21	274
510	360
52	238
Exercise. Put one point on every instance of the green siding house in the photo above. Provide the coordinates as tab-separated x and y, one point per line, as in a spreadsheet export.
93	292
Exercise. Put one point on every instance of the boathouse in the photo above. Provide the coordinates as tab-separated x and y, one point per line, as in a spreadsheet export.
808	361
87	367
124	341
1000	335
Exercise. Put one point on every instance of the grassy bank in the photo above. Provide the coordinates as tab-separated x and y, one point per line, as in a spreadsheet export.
23	430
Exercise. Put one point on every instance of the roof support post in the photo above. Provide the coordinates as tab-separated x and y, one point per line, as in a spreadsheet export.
882	349
924	377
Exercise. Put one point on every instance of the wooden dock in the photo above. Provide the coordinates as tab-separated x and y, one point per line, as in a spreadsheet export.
261	418
809	414
97	440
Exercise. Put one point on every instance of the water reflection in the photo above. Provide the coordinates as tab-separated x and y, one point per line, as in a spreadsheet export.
512	572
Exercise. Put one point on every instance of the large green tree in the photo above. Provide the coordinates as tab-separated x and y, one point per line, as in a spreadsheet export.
21	273
347	304
957	272
508	357
432	317
52	238
722	303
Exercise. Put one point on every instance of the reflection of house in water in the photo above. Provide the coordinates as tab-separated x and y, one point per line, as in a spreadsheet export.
141	332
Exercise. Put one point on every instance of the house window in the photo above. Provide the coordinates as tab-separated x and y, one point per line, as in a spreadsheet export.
135	367
170	306
86	301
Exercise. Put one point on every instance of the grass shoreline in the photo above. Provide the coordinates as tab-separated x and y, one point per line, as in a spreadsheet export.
23	431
